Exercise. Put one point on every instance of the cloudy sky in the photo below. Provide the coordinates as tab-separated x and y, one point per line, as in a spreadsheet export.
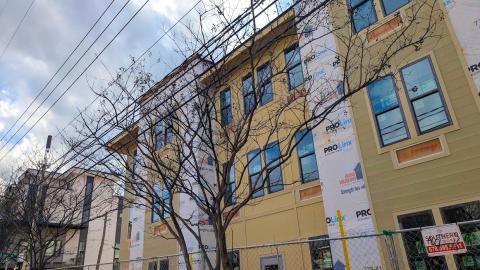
48	34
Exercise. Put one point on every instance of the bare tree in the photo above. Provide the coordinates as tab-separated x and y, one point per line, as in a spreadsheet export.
178	145
47	209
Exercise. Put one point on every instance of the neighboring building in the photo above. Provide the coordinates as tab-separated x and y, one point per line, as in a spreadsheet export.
77	205
411	140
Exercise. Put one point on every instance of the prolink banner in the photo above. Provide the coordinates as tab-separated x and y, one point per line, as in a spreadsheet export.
465	18
340	171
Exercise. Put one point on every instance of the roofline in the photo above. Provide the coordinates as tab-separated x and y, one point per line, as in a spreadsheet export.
261	34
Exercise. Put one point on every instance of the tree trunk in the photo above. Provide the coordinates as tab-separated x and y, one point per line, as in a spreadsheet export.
222	249
100	250
185	254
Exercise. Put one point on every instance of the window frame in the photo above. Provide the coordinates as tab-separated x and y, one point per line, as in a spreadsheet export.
409	259
323	239
279	167
393	11
152	265
262	84
165	215
155	197
304	156
437	90
352	8
161	198
399	106
162	262
291	48
228	107
228	183
252	92
166	129
256	174
231	254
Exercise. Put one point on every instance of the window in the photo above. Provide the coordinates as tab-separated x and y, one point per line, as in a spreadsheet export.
152	265
387	112
362	14
234	259
248	94
470	232
168	129
306	156
264	74
230	181
293	65
226	107
135	163
274	171
255	173
87	201
160	202
321	254
271	262
53	248
163	132
164	264
166	200
156	202
137	236
129	230
283	5
425	97
390	6
416	254
159	136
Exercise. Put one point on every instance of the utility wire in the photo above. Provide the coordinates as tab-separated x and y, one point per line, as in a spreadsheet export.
16	29
170	97
58	70
141	56
76	79
214	39
69	71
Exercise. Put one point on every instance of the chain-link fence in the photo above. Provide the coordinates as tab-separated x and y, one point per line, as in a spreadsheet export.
389	250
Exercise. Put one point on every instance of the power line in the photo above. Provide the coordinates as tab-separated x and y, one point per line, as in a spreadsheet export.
166	86
135	61
16	29
205	47
58	70
76	79
69	71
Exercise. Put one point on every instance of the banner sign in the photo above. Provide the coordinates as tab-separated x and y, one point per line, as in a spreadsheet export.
443	240
465	18
340	170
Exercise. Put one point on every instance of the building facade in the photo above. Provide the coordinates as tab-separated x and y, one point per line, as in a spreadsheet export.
402	152
73	214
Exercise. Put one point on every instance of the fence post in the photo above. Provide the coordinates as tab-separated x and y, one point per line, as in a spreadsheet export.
390	246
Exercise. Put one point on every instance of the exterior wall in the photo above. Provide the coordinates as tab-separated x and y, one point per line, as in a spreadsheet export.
124	239
70	249
434	181
283	215
453	176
